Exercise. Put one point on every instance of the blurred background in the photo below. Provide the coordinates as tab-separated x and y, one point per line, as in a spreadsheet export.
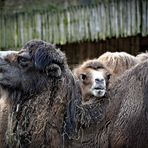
83	29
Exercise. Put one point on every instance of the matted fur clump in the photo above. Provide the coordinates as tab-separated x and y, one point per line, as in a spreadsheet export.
118	62
38	87
45	106
119	119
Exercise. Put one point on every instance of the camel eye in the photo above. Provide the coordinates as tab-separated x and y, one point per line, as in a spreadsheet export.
108	76
83	77
23	61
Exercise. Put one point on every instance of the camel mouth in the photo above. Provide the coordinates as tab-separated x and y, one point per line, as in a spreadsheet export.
99	91
99	88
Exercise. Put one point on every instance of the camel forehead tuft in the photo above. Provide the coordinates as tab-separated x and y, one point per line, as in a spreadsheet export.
89	64
34	44
93	64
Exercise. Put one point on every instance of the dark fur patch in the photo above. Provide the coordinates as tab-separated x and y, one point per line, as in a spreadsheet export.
44	54
42	58
73	112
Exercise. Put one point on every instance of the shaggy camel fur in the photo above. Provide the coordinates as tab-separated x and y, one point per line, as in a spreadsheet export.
142	56
93	78
118	62
118	120
45	108
36	86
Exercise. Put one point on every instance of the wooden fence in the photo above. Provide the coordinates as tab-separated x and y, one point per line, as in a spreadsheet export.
107	19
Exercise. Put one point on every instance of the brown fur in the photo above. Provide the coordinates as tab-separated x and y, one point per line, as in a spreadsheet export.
87	69
117	62
130	104
39	86
120	119
49	113
4	110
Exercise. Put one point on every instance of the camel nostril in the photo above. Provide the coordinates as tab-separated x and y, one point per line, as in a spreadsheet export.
99	80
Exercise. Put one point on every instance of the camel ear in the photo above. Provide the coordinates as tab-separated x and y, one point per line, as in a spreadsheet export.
45	61
53	70
108	76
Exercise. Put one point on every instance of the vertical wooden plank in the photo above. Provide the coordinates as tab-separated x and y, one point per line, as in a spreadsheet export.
15	31
120	17
43	26
68	25
71	18
92	24
99	21
22	29
49	28
146	17
6	37
133	15
37	25
144	22
0	30
103	16
52	27
4	31
72	25
11	33
116	18
58	28
18	30
108	34
89	23
62	34
31	25
112	18
129	16
77	24
82	22
125	18
26	28
55	30
138	10
96	28
46	27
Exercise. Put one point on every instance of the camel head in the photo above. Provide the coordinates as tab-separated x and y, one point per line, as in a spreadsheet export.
93	77
29	69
